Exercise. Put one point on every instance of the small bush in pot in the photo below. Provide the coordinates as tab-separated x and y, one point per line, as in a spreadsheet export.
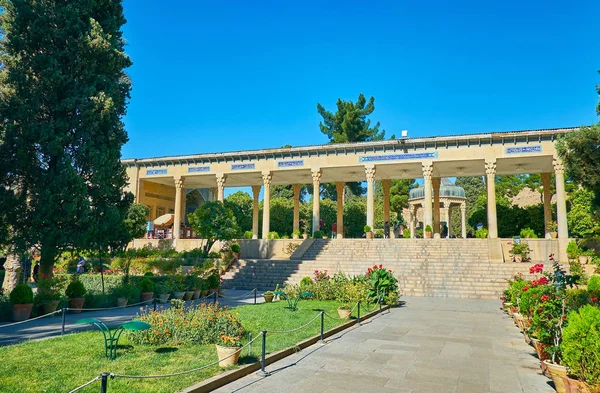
581	345
22	300
268	295
147	289
235	248
318	235
248	235
213	282
127	293
75	292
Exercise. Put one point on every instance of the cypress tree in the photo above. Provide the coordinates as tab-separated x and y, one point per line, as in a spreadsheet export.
63	93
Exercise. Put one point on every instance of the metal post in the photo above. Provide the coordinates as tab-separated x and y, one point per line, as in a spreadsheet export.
64	312
104	385
322	325
263	372
215	297
358	319
249	343
254	295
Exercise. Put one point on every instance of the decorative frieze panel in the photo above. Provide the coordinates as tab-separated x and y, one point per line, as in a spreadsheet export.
399	157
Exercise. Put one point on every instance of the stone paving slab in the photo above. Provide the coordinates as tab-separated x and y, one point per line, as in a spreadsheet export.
429	345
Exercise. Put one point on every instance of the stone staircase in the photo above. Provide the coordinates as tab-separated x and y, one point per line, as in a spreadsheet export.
432	267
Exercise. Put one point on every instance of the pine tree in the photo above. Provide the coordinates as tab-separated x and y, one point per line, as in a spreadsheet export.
63	93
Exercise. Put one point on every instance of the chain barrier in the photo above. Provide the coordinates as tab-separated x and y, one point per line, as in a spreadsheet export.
32	319
294	330
113	376
238	297
85	384
146	302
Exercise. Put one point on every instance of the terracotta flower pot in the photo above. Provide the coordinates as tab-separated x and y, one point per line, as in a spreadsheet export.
344	314
576	386
188	295
428	235
196	294
305	236
163	297
553	235
77	304
224	352
541	350
121	301
21	312
518	258
178	295
146	297
295	236
268	298
557	372
49	306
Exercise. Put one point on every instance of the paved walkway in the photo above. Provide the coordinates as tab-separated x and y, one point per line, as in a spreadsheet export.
51	326
433	345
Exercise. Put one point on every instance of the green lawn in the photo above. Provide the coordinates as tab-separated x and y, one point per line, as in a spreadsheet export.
61	364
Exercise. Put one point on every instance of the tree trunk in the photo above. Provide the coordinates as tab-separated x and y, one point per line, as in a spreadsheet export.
48	256
13	272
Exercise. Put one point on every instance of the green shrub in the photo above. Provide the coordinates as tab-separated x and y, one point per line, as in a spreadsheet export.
93	282
382	283
306	281
428	228
127	291
148	274
577	298
528	233
379	233
581	344
213	281
75	289
248	235
272	235
366	228
406	233
235	247
318	235
573	250
297	233
146	285
22	294
98	300
530	300
481	233
204	324
593	286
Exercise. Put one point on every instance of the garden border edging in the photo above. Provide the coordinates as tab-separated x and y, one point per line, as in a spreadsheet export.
227	377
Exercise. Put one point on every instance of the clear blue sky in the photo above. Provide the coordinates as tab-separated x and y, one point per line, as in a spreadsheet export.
234	75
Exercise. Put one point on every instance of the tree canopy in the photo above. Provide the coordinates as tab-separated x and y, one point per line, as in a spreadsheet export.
213	221
64	92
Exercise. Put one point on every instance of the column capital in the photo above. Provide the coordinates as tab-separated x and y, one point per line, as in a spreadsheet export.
267	176
179	181
427	170
370	172
316	175
490	167
221	179
558	165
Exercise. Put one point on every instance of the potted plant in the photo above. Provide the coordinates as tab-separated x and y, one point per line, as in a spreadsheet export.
428	232
481	233
147	290
178	288
520	252
580	348
344	311
163	292
552	229
586	256
21	298
48	295
203	287
368	232
75	292
126	293
573	250
268	296
189	287
236	250
296	234
318	235
213	283
197	287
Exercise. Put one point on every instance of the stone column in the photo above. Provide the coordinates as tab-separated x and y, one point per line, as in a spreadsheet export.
463	220
297	188
316	175
412	219
561	199
546	179
339	187
266	176
220	186
449	222
255	194
370	172
490	170
177	218
386	184
427	211
436	181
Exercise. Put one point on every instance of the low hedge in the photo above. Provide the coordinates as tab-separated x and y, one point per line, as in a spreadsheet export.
93	282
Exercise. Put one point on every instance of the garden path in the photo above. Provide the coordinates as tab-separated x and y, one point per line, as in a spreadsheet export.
433	345
51	326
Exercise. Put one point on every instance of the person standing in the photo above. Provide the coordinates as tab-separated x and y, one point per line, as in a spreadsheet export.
386	230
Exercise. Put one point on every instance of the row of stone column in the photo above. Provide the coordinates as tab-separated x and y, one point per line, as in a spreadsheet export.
431	204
